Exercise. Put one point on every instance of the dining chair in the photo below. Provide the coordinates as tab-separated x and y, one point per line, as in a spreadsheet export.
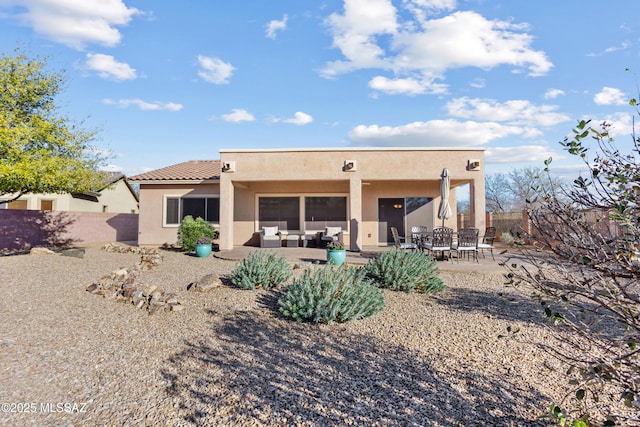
467	243
441	239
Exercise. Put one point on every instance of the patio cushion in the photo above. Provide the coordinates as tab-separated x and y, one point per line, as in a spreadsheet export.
270	231
332	231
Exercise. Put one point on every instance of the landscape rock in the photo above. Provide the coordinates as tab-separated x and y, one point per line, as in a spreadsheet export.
206	283
41	251
73	252
120	285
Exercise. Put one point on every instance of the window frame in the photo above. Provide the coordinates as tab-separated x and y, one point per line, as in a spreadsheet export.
302	213
180	197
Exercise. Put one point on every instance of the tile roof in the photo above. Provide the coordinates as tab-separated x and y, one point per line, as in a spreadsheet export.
193	170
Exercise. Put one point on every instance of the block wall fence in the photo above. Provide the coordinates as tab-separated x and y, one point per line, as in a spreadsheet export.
24	229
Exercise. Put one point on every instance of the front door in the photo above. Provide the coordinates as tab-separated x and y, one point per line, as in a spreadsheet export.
390	214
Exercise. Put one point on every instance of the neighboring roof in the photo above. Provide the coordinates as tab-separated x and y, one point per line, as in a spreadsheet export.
193	170
110	178
347	149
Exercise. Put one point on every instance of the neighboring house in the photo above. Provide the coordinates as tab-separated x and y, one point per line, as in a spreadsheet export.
117	196
365	191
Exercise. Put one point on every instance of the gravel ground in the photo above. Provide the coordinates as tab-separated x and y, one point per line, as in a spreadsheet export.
230	359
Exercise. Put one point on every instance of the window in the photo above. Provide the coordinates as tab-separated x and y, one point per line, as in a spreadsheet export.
17	204
176	208
321	212
281	211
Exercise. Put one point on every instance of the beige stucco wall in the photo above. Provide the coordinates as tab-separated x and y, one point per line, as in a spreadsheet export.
151	229
407	172
117	198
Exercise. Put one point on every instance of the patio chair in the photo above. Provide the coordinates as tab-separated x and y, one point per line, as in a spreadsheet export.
331	234
467	243
398	241
440	241
270	237
487	241
419	233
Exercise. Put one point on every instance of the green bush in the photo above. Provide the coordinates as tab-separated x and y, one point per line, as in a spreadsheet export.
331	294
191	230
261	269
402	270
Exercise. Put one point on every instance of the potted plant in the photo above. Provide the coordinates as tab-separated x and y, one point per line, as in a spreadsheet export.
336	253
203	246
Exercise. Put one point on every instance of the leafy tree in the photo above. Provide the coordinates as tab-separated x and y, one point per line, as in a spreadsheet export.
40	150
587	279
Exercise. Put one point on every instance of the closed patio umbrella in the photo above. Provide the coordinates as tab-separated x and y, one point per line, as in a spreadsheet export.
444	210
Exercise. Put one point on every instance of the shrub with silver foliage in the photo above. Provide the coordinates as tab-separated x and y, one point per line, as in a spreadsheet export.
261	269
331	294
407	271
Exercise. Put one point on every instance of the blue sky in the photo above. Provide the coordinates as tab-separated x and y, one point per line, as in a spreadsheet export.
166	81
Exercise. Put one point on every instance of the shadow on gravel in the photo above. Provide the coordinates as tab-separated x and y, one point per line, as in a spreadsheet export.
255	369
506	306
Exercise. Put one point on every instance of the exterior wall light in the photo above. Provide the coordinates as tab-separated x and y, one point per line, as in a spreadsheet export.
349	166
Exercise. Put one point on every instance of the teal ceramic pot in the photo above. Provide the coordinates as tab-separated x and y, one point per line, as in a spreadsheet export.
337	256
203	250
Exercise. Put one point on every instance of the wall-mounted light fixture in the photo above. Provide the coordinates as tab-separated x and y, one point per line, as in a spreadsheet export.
398	206
229	166
473	165
349	166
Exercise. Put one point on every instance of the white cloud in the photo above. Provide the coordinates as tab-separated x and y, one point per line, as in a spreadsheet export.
107	67
214	70
621	125
111	168
369	36
478	83
610	96
76	23
435	133
515	112
553	93
274	26
407	86
623	46
521	153
144	105
299	119
238	115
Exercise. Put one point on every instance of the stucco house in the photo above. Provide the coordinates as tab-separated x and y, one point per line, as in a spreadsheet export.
117	196
364	191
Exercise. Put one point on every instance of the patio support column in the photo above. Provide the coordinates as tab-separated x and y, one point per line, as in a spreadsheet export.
226	212
355	210
477	204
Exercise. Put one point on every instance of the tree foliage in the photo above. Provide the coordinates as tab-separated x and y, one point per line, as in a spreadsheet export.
587	279
40	150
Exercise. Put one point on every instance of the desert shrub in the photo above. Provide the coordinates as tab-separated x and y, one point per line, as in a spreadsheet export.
331	294
261	269
587	278
407	271
191	230
507	239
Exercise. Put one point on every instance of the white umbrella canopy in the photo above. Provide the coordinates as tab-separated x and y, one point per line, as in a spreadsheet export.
444	210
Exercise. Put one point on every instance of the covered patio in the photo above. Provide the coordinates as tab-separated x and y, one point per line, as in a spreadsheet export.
365	191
